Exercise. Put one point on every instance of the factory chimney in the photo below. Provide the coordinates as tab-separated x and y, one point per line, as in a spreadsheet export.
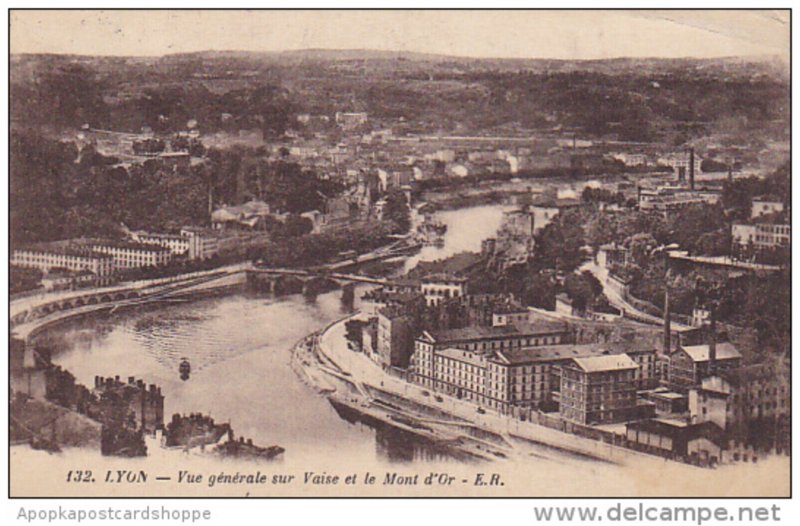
712	342
667	323
691	168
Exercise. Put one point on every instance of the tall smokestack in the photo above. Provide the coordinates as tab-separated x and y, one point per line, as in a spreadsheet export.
730	173
712	342
691	168
667	323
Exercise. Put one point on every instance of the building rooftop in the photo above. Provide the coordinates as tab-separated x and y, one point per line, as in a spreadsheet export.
505	331
700	353
548	353
463	356
679	429
143	233
611	362
668	395
438	277
116	243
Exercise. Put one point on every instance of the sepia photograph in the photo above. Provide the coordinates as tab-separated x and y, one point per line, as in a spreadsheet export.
399	253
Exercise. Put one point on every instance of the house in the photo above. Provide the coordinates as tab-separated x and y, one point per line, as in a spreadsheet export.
317	219
545	208
510	314
765	206
438	287
67	279
668	402
249	216
703	443
349	120
611	254
564	305
631	159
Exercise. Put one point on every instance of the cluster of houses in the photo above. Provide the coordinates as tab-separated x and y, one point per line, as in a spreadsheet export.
690	398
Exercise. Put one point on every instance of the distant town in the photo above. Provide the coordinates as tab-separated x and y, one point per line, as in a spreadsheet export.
635	293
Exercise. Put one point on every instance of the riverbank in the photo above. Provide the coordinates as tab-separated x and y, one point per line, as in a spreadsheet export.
216	283
416	404
395	401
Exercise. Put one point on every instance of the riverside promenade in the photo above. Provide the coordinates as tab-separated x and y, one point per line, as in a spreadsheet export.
365	373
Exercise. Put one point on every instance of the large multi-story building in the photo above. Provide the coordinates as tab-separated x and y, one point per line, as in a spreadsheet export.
503	380
502	348
689	364
74	259
669	199
760	236
599	389
398	322
497	338
681	163
177	244
132	255
751	404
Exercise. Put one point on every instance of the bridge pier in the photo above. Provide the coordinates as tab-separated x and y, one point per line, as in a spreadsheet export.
348	294
315	285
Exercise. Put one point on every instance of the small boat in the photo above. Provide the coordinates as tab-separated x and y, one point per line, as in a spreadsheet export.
185	369
431	231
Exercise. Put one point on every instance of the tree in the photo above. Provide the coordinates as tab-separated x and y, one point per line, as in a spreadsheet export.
397	211
559	244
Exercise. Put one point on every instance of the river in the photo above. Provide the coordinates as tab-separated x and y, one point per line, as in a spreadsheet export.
239	348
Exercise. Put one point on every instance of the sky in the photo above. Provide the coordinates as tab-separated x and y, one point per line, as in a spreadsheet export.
509	34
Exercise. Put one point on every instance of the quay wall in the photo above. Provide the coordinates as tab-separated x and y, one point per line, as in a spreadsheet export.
490	421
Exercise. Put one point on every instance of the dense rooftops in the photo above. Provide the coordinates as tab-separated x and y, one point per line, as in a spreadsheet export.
549	353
